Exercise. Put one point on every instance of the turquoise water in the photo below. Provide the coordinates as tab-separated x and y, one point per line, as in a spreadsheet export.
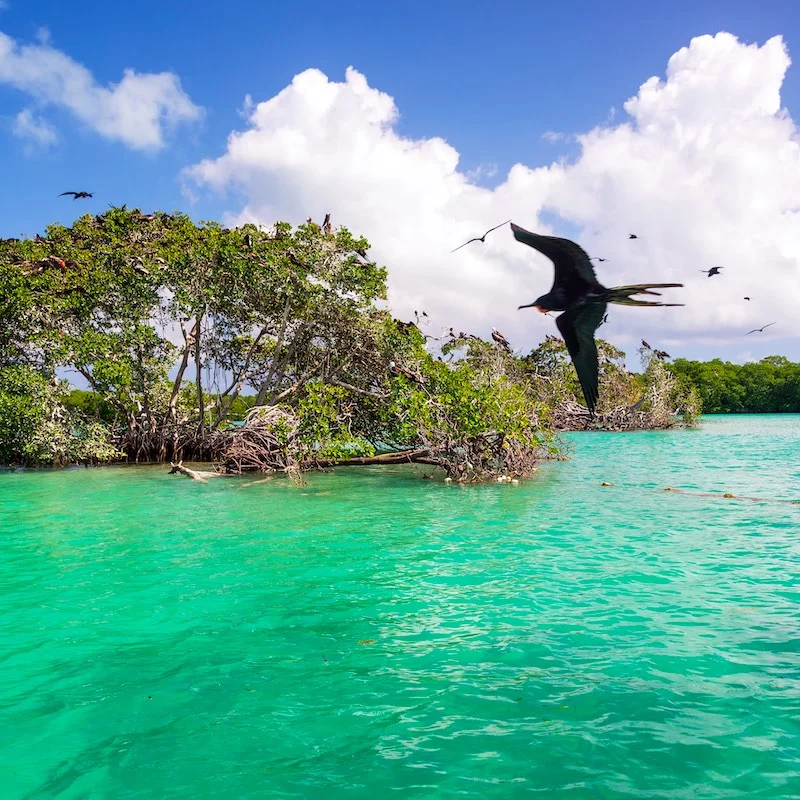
164	638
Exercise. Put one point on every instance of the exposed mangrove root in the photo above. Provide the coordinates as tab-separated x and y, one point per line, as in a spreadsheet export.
569	415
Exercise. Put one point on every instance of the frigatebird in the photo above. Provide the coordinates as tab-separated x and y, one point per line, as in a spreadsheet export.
758	330
597	258
481	238
632	236
501	340
583	299
661	354
645	345
712	271
327	228
77	195
747	298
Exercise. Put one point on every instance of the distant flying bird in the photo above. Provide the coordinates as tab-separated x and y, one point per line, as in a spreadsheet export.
645	345
597	258
747	298
632	236
501	340
712	271
77	195
482	238
583	299
759	330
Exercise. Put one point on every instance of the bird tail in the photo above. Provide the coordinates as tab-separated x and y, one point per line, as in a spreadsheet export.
623	295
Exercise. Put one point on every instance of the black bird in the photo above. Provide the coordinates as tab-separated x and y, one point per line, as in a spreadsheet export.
759	330
661	355
501	340
583	299
482	238
77	195
712	271
597	258
645	345
632	236
747	298
327	228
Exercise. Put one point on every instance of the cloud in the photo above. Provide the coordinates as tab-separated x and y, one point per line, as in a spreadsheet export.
136	111
33	130
554	136
704	167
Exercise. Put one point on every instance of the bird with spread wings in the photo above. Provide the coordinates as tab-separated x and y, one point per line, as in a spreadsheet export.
583	299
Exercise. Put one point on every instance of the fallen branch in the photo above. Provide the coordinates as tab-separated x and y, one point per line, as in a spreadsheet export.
403	457
191	473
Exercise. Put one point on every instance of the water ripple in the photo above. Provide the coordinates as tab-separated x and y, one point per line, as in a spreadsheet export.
372	632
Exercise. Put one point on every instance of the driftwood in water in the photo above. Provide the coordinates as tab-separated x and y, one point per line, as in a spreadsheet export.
191	473
421	456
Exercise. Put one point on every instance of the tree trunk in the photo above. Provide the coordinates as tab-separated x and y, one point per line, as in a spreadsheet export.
199	380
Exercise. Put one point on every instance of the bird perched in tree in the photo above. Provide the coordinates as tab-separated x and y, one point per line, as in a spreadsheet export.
327	228
398	370
583	299
77	195
501	340
712	271
645	345
661	355
405	327
632	236
759	330
481	238
139	267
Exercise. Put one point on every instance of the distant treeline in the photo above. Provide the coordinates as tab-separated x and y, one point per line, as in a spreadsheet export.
769	386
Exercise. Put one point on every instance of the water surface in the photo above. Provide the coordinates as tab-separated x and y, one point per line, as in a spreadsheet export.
375	634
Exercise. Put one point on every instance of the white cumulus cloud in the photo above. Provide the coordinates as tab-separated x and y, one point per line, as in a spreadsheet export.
136	111
33	130
705	169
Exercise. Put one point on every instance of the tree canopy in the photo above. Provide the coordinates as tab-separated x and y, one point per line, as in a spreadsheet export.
170	323
769	386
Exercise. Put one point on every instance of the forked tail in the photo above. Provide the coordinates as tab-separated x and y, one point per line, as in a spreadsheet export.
623	295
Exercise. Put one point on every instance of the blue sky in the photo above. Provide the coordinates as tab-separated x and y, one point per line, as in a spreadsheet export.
490	79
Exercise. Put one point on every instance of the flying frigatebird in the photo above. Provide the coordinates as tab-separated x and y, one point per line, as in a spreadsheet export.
759	330
712	271
583	299
77	195
481	238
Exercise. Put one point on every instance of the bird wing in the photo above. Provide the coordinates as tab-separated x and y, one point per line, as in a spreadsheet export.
577	326
767	326
496	227
63	193
573	269
476	239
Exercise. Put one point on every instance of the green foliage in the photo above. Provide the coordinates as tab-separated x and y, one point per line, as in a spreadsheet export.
769	386
37	428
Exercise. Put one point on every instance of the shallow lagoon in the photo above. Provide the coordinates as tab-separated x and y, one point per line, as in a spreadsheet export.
373	632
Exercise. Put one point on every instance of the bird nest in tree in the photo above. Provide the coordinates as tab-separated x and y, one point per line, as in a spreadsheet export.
265	443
